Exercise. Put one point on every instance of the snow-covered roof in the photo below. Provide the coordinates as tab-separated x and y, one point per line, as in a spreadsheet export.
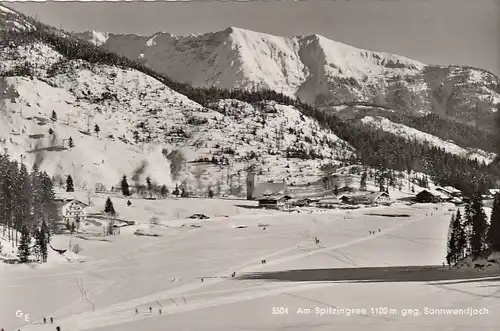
269	189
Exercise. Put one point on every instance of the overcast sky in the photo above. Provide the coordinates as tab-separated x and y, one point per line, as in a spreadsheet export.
431	31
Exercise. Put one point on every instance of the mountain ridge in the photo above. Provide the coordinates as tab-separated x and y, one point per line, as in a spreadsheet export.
314	69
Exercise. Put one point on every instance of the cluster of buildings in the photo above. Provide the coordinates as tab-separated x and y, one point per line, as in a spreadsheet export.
277	196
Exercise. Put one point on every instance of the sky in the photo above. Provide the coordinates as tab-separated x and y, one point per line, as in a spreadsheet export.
464	32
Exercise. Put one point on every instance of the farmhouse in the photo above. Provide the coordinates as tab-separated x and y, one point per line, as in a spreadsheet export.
72	210
369	199
428	196
274	201
271	195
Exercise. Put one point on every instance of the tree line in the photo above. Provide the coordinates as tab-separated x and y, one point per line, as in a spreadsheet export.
470	235
27	208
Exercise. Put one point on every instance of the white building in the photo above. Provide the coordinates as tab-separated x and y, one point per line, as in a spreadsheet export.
72	210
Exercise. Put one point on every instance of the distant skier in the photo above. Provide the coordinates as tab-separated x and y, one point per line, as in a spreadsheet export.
44	321
150	309
159	311
202	279
233	274
51	320
58	328
136	311
316	240
378	230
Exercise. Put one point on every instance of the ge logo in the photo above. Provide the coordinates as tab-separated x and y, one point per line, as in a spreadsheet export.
19	313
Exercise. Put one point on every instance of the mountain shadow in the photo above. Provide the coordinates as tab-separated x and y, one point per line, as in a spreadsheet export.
375	274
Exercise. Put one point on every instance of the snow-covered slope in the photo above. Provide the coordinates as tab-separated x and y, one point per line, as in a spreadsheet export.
411	133
315	69
141	122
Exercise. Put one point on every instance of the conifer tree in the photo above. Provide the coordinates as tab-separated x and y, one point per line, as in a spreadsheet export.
461	239
176	191
451	247
53	117
109	208
479	228
40	247
24	195
47	196
467	226
7	195
362	183
456	239
164	191
24	249
69	184
125	187
149	185
494	229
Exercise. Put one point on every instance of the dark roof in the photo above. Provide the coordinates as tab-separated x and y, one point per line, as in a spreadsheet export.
268	189
274	197
65	201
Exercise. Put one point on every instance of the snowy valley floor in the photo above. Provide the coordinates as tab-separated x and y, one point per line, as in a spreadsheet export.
360	271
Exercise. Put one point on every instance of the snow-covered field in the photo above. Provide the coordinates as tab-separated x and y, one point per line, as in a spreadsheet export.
129	272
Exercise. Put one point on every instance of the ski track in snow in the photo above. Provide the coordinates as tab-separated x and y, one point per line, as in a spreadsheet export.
122	313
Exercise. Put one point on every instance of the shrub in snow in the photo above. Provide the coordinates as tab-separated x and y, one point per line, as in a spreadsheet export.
154	220
76	249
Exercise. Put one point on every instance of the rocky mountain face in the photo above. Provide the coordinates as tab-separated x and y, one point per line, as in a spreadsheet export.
314	69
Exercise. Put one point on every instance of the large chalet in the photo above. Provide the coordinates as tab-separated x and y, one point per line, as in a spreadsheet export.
271	195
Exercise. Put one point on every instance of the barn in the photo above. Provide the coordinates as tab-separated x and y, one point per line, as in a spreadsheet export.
274	201
427	196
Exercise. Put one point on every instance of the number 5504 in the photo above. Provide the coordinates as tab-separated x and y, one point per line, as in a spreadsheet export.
280	310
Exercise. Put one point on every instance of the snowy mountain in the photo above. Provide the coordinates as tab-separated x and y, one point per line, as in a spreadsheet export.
124	118
313	68
48	98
